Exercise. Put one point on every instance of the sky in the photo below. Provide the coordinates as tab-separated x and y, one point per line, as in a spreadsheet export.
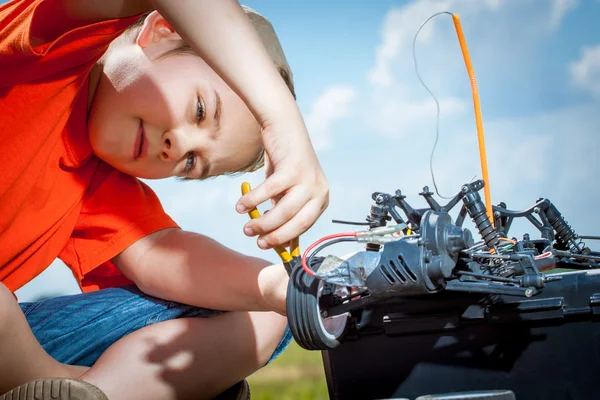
373	125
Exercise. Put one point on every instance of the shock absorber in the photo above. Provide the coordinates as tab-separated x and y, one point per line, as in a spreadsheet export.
565	234
377	217
477	212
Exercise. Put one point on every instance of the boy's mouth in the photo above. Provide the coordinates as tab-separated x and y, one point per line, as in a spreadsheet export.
140	147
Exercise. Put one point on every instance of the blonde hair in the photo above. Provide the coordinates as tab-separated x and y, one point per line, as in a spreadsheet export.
271	42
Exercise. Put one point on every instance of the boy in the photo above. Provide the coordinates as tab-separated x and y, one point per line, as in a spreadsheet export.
93	100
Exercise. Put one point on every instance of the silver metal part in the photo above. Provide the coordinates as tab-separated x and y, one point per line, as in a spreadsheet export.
378	239
386	230
351	272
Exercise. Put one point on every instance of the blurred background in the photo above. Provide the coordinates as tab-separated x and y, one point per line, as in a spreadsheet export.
537	64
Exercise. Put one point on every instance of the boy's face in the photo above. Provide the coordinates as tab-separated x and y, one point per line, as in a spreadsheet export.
155	117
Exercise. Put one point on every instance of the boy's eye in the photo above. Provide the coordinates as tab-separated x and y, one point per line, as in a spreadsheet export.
200	112
190	162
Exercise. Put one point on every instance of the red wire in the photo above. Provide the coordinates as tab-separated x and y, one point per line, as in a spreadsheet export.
547	267
309	248
543	255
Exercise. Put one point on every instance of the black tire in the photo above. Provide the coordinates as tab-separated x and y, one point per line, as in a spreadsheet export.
306	324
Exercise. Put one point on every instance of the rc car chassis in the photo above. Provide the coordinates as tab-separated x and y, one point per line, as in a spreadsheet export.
426	252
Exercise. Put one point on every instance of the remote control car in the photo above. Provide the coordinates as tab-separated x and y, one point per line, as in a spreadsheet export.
427	252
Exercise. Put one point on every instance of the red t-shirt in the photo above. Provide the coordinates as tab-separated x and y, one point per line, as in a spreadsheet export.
56	198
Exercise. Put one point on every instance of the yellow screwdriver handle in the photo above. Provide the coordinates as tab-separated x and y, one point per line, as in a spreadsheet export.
295	247
254	213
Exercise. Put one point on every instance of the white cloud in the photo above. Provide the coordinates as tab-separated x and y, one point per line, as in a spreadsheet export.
585	72
401	24
560	8
400	106
397	32
403	117
333	104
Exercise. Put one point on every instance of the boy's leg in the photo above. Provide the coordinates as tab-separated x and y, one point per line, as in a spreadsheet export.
188	358
22	357
145	347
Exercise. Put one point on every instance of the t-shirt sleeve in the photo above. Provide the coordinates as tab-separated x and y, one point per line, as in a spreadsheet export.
117	210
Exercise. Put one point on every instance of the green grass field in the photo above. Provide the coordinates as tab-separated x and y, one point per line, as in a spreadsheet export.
296	375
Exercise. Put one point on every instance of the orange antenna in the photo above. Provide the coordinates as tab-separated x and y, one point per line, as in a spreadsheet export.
478	119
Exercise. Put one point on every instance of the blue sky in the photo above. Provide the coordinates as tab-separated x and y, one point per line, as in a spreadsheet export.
334	41
537	64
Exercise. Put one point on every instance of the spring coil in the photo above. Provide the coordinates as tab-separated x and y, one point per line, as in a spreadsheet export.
377	218
477	212
565	234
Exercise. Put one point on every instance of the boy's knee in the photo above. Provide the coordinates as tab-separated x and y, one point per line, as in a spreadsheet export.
272	328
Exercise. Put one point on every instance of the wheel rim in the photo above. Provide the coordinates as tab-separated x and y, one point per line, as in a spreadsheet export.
332	327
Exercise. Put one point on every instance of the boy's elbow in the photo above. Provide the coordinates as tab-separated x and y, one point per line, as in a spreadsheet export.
137	261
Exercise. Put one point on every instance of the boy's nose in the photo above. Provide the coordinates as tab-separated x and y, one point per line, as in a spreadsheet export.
171	147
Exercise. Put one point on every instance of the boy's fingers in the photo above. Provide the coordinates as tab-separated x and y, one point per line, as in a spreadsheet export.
300	198
293	228
271	188
284	210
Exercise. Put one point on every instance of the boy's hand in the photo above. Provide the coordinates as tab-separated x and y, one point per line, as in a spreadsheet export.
295	183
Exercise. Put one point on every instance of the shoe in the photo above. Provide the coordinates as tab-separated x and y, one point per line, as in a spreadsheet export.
239	391
55	389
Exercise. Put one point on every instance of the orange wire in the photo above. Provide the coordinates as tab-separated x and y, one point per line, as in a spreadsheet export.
507	240
478	119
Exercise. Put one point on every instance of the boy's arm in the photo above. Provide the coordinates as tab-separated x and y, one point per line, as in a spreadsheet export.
190	268
227	41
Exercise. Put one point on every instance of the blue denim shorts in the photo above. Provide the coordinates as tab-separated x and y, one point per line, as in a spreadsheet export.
77	329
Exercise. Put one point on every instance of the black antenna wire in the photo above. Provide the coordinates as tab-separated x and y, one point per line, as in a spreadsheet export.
437	104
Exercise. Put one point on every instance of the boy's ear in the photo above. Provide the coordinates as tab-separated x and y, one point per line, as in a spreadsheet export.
154	29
